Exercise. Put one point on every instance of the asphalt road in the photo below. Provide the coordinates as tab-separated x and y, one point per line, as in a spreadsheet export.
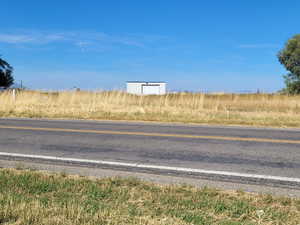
270	152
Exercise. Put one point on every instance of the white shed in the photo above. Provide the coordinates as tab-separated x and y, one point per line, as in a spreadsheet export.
146	88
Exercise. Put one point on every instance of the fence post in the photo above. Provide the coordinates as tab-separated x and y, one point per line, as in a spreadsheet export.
14	95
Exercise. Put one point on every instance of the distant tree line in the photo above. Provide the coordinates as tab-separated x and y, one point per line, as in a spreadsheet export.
6	70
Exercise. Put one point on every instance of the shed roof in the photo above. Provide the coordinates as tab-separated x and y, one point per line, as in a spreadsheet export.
145	82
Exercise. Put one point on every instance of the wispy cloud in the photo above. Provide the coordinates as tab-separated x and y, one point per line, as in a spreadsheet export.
15	38
81	39
259	45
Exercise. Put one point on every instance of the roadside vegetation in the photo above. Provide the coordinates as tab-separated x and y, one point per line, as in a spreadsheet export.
6	70
35	198
289	57
230	109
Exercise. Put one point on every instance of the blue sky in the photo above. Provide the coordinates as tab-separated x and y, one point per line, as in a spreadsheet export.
193	45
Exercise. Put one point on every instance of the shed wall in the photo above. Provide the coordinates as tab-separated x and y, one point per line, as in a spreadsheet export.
146	88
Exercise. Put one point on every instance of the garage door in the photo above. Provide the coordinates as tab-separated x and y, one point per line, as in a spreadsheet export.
150	89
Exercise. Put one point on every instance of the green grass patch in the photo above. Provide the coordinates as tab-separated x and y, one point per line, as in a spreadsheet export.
35	198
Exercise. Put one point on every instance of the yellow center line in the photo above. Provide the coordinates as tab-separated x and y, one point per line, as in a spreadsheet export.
154	134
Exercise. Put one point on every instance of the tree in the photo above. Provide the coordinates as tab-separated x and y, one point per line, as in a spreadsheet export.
289	57
6	78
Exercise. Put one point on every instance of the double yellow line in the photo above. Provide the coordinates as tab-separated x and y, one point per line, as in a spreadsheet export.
189	136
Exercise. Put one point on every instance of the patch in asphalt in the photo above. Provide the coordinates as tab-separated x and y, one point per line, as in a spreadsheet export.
219	159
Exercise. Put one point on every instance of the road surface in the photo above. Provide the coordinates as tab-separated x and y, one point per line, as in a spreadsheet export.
265	155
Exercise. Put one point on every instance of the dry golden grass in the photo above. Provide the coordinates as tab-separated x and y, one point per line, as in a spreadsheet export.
34	198
231	109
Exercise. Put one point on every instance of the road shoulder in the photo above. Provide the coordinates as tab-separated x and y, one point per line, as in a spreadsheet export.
161	179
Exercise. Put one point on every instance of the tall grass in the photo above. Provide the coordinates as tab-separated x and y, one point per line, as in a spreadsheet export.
234	109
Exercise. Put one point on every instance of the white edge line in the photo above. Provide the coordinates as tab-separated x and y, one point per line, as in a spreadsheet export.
145	166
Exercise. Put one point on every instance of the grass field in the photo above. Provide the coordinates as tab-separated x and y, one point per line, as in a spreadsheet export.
229	109
34	198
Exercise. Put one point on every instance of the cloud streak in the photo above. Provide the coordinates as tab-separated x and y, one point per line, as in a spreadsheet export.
15	39
82	40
